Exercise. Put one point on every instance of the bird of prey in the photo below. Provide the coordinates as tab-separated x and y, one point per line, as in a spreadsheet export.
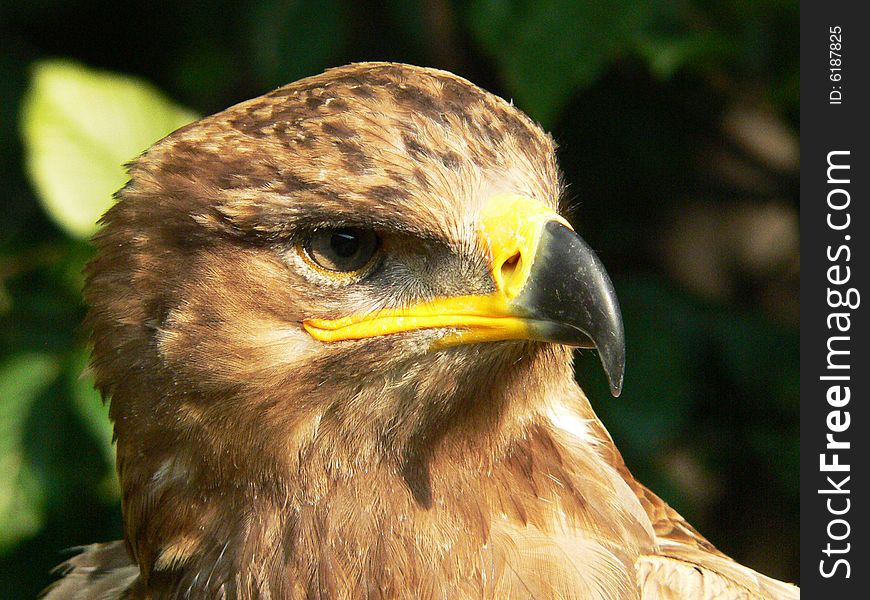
335	325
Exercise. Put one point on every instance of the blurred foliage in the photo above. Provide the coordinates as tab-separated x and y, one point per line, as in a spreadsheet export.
79	128
649	103
22	378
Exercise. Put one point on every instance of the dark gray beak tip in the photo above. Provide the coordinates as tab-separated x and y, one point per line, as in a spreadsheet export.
610	343
614	367
616	388
570	290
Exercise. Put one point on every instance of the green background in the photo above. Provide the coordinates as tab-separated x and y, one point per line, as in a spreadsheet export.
677	123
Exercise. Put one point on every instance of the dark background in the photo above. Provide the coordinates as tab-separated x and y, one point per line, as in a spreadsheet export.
678	131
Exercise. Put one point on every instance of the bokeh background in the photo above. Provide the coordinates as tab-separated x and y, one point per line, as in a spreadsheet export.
678	130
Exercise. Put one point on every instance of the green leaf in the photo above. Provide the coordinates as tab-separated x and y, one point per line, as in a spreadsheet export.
22	379
90	406
666	55
291	39
95	416
80	127
547	49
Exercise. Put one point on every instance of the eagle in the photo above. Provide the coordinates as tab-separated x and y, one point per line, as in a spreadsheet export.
335	326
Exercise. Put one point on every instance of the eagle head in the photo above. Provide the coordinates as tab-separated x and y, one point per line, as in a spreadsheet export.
361	274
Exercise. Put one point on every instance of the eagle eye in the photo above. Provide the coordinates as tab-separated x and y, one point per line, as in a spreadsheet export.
341	250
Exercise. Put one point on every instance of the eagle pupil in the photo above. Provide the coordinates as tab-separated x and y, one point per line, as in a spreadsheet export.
343	249
345	243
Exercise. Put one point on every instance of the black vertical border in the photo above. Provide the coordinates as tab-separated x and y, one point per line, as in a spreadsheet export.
827	127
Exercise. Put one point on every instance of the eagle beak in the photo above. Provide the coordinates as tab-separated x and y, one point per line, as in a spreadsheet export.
550	286
569	299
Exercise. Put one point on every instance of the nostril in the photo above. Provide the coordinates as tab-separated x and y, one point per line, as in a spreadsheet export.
509	266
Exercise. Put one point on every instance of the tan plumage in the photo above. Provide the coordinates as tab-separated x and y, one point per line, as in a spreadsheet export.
259	462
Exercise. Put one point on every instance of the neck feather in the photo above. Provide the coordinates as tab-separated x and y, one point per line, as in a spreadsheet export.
327	516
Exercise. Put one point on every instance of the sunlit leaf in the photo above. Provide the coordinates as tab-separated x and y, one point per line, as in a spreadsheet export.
22	379
80	126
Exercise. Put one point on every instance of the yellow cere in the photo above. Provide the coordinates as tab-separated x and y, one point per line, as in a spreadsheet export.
510	228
